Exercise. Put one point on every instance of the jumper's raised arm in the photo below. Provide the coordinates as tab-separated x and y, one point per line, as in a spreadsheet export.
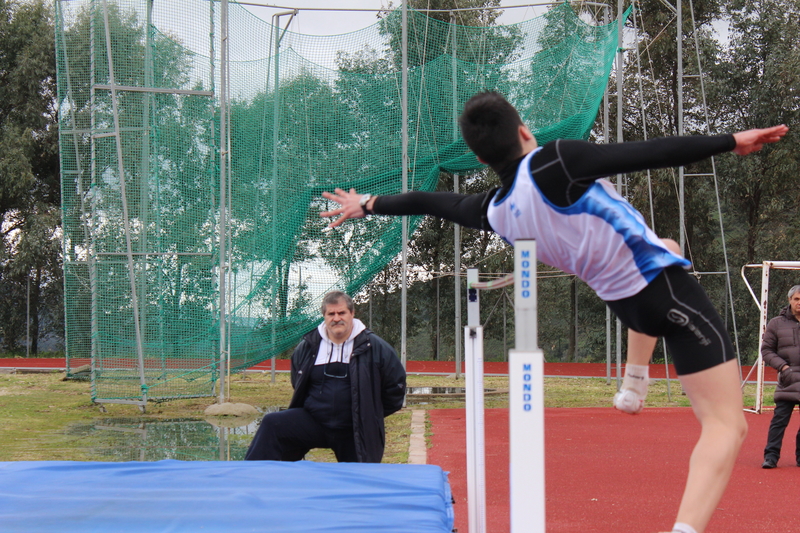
751	141
620	157
350	203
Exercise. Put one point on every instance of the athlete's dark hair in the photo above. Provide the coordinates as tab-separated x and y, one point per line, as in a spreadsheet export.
489	125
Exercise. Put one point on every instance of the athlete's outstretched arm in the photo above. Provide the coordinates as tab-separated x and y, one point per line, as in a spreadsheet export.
753	140
350	206
583	162
465	209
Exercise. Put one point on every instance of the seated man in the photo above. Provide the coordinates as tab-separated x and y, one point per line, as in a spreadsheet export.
346	380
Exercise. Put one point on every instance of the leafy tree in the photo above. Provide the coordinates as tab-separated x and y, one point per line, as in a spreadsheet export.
763	73
758	76
29	184
430	32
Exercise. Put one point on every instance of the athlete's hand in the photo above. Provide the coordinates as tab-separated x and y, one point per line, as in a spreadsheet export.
753	140
350	206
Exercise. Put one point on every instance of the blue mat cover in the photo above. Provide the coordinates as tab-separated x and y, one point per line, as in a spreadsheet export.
229	497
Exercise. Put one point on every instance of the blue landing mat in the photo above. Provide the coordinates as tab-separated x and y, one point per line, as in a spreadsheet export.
225	497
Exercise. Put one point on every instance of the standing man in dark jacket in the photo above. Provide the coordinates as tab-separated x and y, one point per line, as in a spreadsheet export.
346	380
781	350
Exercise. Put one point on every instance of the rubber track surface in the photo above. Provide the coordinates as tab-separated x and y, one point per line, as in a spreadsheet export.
611	472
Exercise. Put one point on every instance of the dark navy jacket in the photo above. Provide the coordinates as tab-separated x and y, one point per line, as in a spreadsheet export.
377	382
781	346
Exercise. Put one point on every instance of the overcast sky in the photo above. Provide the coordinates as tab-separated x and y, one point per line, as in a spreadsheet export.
336	22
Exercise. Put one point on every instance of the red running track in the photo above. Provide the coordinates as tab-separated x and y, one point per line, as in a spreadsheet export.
414	367
610	472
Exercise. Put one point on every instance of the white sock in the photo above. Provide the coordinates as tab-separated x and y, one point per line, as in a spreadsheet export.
637	378
680	527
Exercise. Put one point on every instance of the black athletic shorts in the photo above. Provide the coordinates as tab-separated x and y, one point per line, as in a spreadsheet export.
674	306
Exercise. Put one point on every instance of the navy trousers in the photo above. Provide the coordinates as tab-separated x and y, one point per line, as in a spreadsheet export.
289	435
780	419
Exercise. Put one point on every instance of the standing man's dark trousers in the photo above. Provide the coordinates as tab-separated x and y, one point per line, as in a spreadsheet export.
289	435
780	419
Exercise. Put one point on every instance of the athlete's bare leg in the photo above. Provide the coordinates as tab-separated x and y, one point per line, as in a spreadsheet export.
640	351
633	391
716	398
641	346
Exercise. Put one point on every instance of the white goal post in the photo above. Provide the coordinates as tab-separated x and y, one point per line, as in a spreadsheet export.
765	267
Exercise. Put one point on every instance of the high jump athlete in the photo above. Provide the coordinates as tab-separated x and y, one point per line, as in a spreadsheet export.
554	194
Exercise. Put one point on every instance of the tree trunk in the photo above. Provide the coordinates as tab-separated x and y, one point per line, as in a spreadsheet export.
753	212
573	327
35	294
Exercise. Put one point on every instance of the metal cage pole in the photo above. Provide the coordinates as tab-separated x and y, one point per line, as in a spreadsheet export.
125	216
456	228
620	71
90	241
79	168
404	157
679	103
223	213
606	140
276	18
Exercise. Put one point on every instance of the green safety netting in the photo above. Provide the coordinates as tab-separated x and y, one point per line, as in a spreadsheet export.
161	231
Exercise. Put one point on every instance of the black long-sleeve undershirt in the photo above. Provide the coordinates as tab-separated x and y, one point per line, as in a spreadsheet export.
563	170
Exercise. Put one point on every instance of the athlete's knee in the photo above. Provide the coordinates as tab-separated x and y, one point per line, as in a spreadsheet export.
738	433
741	428
735	428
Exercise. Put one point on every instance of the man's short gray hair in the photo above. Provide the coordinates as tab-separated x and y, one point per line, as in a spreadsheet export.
333	298
793	290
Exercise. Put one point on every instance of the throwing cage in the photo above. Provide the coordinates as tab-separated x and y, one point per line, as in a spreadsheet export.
196	139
